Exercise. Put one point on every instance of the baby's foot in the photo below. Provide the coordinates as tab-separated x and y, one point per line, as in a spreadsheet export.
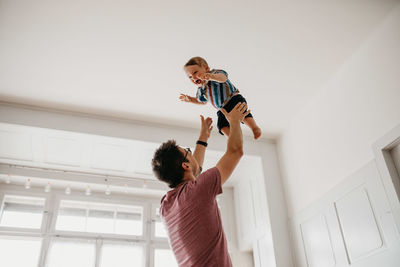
256	132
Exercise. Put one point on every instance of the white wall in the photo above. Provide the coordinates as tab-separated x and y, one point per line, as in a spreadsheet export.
332	136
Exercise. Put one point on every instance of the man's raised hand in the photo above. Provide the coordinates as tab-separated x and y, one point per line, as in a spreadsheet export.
206	127
238	113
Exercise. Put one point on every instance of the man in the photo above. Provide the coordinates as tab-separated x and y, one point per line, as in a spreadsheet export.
189	211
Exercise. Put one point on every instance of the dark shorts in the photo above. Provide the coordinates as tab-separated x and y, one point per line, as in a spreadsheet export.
222	121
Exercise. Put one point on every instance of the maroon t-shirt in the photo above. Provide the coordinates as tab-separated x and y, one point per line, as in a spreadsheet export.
193	222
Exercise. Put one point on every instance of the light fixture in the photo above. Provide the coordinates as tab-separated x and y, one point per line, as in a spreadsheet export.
8	179
28	183
68	190
144	185
47	188
88	191
108	190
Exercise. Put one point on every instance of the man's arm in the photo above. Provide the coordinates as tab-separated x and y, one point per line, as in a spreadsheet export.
234	150
205	131
191	99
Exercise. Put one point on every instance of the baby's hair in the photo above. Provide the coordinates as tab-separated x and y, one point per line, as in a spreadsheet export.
199	61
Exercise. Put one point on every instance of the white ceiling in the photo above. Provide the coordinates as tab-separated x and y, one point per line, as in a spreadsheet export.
124	58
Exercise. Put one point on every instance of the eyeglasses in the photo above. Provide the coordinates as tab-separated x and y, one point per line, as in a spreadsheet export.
187	151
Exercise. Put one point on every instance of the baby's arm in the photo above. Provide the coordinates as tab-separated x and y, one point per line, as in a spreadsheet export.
217	77
191	99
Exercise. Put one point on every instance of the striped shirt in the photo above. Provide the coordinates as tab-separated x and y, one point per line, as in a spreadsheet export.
217	93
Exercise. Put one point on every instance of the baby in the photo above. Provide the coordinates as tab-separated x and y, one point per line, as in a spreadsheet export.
214	86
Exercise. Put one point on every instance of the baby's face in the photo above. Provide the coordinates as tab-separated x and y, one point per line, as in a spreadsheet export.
196	73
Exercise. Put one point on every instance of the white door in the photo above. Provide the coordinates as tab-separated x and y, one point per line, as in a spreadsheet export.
395	152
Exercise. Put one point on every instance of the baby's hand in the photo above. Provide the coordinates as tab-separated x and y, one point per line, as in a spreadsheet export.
205	76
184	98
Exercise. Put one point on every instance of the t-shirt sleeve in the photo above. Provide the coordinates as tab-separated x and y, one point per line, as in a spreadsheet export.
209	183
200	95
220	71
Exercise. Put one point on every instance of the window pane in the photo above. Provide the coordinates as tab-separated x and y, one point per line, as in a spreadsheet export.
72	219
164	258
121	255
11	250
100	221
159	227
71	253
22	212
160	230
129	223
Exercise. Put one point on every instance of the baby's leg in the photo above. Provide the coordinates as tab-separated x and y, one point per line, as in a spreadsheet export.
226	131
249	121
223	124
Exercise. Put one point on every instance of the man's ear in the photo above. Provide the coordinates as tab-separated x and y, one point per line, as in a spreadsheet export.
185	166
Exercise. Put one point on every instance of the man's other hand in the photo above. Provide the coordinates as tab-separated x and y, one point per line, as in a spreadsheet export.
238	113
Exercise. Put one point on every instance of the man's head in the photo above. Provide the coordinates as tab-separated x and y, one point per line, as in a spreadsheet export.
173	164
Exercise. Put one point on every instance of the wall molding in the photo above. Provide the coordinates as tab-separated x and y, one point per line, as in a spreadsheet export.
359	221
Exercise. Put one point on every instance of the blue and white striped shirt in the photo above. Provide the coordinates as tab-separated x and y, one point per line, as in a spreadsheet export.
217	93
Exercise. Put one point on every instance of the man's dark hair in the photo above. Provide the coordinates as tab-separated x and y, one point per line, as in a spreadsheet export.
167	163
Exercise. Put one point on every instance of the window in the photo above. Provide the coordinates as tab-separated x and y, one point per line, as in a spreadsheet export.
83	232
100	221
71	217
19	251
159	226
63	253
130	222
100	218
164	258
22	212
121	255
